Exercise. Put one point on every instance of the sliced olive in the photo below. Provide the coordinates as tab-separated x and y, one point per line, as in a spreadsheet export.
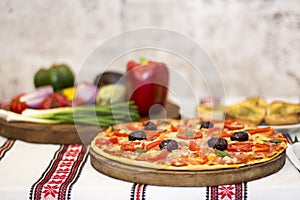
240	136
137	135
150	126
170	145
206	124
217	143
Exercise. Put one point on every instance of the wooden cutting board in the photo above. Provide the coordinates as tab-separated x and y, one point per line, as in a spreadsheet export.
61	133
156	177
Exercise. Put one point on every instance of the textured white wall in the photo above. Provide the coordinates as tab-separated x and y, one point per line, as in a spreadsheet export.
255	44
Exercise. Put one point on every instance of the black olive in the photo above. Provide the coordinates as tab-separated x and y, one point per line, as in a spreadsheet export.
240	136
150	126
137	135
206	124
108	77
170	145
217	143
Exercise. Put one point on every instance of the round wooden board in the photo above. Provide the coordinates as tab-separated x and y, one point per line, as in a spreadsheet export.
60	133
156	177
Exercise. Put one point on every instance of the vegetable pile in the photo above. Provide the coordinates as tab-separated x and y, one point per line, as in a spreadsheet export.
58	100
110	99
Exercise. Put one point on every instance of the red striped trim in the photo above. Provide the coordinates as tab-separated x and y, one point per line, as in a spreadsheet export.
63	171
138	192
5	147
227	192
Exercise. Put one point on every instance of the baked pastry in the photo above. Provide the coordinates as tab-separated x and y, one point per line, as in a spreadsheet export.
282	113
257	101
246	111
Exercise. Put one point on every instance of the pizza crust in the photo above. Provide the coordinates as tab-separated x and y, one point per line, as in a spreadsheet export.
153	165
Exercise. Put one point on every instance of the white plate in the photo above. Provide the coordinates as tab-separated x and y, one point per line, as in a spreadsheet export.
293	154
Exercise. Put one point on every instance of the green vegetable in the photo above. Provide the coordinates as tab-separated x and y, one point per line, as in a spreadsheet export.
273	141
222	153
59	76
88	114
140	151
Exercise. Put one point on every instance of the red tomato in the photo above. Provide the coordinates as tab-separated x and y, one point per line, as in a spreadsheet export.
46	103
17	106
174	128
132	146
55	101
193	146
119	134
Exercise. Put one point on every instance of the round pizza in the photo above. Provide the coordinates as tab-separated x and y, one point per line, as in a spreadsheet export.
188	144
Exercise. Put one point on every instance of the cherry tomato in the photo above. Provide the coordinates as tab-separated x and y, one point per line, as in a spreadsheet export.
55	101
17	106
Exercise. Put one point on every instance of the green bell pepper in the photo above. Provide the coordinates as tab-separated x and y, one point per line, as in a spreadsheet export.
59	76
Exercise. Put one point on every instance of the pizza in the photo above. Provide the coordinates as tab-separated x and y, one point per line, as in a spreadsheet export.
188	144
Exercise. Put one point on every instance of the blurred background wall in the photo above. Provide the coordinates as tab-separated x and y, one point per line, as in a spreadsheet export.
255	44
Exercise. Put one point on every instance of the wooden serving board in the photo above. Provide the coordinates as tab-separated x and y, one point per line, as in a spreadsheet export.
47	134
156	177
60	133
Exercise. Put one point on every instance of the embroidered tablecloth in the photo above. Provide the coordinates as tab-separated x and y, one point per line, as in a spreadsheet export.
41	171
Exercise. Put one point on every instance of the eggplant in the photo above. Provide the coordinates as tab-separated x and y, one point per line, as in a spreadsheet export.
107	78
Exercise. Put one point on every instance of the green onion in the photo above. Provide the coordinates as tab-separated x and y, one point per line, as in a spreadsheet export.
87	114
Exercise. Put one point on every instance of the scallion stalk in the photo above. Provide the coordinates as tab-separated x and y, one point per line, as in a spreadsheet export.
86	114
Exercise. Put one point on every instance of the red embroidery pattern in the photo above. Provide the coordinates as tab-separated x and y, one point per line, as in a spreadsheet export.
5	147
138	192
227	192
61	174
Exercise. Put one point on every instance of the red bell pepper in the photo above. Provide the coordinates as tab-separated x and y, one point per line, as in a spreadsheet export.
147	84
